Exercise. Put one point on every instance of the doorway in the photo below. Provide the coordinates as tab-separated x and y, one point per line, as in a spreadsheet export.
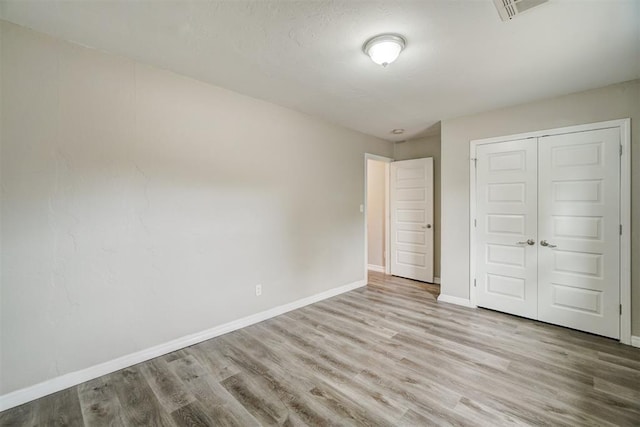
376	213
411	219
399	211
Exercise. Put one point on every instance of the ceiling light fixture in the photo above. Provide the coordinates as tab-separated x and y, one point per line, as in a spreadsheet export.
397	131
385	48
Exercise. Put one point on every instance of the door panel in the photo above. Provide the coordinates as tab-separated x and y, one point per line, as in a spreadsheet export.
506	192
579	218
411	225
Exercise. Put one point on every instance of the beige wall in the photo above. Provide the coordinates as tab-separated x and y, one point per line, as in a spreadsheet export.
607	103
139	206
375	212
416	149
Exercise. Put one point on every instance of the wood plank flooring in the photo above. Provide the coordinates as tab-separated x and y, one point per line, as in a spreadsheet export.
384	355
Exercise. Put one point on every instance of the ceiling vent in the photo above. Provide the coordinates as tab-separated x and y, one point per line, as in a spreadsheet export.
509	9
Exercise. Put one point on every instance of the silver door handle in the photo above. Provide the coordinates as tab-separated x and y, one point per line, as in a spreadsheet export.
549	245
426	226
529	242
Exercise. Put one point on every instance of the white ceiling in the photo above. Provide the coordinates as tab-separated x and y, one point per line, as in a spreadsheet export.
306	55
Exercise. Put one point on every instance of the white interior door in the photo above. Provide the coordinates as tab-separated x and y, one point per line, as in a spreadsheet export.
579	193
506	227
411	225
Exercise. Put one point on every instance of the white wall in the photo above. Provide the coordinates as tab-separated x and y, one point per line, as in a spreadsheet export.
376	182
428	146
139	206
607	103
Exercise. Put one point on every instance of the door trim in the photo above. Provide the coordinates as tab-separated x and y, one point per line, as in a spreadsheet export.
625	207
387	161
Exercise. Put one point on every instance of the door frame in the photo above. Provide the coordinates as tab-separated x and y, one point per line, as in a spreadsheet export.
387	161
625	207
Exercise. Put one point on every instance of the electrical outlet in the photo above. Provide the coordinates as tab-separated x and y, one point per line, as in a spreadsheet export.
258	290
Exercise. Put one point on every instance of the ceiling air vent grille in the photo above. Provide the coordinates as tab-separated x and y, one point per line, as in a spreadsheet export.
509	9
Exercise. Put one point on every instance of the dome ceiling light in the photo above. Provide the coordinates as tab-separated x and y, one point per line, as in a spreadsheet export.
385	48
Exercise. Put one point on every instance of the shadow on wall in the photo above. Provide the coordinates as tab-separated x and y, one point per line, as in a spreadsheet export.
139	206
433	130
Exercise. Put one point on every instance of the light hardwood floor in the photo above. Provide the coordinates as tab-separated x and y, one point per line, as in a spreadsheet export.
387	354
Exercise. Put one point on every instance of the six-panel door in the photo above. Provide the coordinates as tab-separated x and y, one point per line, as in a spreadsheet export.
548	215
506	227
411	228
578	278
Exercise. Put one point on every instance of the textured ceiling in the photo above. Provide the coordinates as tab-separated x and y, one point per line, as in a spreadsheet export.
306	55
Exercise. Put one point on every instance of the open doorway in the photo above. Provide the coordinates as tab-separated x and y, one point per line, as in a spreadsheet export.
382	176
376	213
399	200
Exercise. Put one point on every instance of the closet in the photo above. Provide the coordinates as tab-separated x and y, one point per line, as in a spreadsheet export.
547	228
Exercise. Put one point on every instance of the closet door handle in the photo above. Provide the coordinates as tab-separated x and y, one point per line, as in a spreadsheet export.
549	245
529	242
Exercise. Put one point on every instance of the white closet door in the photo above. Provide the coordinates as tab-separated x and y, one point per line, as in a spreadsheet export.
506	209
579	231
411	227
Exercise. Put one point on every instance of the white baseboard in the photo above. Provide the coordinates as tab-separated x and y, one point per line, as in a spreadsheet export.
436	280
62	382
456	300
378	268
635	341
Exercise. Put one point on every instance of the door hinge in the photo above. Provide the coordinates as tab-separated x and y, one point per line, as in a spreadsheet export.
621	149
620	309
475	223
475	162
474	283
621	229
